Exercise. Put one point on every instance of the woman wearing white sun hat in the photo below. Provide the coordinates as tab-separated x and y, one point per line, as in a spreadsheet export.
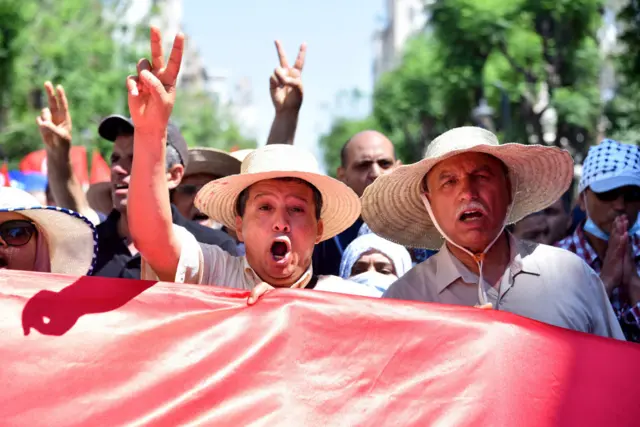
43	238
463	193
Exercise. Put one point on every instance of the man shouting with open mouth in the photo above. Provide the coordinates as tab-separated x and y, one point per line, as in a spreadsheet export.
280	204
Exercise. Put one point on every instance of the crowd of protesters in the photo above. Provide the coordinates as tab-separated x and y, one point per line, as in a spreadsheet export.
476	222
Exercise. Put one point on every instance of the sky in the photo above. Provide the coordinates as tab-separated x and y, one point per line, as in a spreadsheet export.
238	36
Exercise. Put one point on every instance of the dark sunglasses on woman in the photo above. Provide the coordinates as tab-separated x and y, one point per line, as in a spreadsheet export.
17	232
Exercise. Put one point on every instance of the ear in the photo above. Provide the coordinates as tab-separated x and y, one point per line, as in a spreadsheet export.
582	202
340	173
174	176
320	231
239	228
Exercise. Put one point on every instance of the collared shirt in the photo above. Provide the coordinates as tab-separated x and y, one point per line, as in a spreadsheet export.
203	264
115	259
628	316
541	282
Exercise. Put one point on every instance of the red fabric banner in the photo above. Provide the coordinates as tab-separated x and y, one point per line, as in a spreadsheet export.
92	351
100	170
36	161
5	181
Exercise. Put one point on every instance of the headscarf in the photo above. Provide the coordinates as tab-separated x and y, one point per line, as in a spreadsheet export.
398	255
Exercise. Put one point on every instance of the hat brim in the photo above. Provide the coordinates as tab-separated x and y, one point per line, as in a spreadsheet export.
614	182
213	162
72	238
392	205
110	126
340	205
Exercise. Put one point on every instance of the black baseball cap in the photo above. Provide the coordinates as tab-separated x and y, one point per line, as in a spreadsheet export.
112	126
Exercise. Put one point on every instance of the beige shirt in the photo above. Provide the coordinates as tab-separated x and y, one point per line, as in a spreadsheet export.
541	282
203	264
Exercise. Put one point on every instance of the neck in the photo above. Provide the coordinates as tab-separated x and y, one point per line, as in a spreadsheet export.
123	227
598	245
495	260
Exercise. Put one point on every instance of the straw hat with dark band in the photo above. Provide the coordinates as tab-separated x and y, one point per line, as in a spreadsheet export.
340	205
393	207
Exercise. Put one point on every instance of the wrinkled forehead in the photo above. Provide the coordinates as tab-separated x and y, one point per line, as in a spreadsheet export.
465	163
369	147
282	187
123	144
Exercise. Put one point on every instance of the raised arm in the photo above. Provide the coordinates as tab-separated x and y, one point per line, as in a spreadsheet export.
286	94
151	97
55	128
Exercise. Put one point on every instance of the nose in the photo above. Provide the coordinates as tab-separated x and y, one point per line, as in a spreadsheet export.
117	169
468	190
619	204
281	223
375	171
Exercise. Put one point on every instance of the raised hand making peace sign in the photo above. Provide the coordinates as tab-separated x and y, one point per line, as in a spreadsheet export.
55	122
152	92
286	82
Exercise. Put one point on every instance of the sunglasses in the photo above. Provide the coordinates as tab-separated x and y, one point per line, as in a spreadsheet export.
630	194
17	232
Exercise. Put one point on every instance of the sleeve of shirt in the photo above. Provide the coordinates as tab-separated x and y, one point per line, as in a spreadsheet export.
605	322
405	289
191	264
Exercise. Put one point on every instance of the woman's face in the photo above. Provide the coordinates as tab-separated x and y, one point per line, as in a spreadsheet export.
18	239
373	261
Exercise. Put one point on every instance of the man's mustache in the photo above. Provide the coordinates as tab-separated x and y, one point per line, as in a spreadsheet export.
473	205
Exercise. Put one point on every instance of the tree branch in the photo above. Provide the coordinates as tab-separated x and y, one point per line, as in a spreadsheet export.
529	77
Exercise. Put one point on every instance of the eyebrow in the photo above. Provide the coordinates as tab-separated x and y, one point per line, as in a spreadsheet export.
265	193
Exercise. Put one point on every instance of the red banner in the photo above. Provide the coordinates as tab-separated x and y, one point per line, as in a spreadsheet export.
100	170
91	351
36	161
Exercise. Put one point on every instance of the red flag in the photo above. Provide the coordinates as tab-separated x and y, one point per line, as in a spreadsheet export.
36	161
97	351
5	181
100	170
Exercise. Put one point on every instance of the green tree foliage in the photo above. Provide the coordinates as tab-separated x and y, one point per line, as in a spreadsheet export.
205	124
526	58
623	112
341	130
82	45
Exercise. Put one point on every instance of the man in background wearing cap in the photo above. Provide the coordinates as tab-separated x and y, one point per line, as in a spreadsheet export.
117	255
466	190
607	240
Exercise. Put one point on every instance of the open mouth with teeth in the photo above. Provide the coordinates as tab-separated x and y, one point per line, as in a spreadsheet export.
280	249
471	215
121	186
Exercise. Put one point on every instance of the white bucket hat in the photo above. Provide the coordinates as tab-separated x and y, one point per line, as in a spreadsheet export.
211	161
340	205
71	238
393	206
610	165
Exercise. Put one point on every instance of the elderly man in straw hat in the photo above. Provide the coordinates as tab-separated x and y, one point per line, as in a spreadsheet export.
43	238
466	190
279	204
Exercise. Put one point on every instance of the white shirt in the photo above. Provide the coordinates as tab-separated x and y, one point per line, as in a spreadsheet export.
203	264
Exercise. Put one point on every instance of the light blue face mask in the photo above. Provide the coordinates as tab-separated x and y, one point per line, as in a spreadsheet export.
591	228
373	279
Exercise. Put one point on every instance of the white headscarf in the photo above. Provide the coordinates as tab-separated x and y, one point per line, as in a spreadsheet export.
398	255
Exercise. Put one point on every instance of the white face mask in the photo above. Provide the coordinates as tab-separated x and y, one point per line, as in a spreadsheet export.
374	279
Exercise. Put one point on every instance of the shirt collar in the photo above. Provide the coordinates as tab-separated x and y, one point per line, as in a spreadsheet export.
449	268
302	282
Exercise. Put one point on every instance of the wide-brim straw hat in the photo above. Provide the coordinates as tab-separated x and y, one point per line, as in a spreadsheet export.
211	161
242	154
71	238
393	206
340	205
